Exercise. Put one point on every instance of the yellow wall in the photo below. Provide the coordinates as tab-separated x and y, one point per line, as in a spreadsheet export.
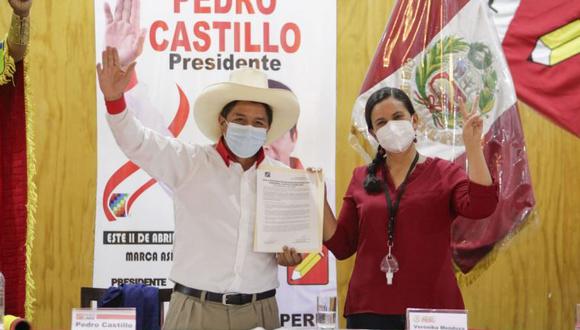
533	284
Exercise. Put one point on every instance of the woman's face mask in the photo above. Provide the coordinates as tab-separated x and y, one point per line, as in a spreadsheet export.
396	136
245	140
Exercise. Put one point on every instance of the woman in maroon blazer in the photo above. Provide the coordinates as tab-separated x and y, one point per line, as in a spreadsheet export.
397	215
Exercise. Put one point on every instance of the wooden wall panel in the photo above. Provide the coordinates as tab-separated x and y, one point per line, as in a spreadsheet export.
533	284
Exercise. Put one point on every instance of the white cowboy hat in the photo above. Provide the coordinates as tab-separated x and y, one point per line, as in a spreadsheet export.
245	85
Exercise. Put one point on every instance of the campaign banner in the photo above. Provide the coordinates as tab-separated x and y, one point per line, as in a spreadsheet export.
181	47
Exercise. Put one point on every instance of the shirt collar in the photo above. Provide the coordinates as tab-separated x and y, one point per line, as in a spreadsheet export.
295	163
228	156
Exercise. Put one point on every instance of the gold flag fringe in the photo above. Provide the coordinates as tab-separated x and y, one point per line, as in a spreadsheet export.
32	192
466	279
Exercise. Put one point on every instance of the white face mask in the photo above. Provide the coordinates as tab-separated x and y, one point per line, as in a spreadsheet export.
245	140
396	136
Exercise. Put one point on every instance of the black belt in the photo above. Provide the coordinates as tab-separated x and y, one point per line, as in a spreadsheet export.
224	298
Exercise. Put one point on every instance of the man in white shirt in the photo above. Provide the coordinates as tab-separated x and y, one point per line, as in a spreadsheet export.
221	283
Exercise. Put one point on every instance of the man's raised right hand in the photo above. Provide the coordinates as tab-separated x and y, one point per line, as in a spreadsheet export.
112	79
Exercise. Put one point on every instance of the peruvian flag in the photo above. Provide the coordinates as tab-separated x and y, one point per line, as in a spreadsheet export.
438	52
541	41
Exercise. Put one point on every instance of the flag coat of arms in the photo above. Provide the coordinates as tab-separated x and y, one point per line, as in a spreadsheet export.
438	52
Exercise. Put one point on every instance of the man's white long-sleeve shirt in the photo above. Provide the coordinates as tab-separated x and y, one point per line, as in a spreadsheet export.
215	209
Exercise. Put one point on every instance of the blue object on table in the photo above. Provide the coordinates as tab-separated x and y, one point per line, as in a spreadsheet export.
144	298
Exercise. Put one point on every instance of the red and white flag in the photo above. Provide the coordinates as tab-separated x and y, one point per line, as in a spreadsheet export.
439	51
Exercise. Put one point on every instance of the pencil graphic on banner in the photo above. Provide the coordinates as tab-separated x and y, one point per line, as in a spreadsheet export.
558	45
306	265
